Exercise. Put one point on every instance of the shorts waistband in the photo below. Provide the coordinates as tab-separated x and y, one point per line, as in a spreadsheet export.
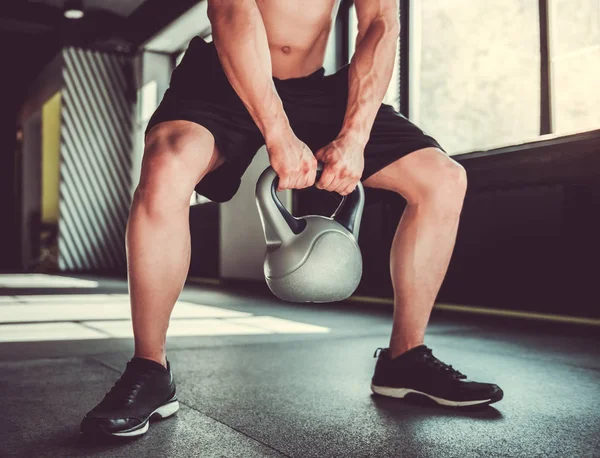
317	75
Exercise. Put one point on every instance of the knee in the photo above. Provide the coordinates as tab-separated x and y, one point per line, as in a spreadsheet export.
166	181
445	187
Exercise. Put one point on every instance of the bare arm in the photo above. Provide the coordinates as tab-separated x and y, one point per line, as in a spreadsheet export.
372	64
241	42
370	72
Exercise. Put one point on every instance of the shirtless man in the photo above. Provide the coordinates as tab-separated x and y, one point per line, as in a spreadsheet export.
259	82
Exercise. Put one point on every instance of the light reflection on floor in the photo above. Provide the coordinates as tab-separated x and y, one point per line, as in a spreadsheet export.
43	281
35	318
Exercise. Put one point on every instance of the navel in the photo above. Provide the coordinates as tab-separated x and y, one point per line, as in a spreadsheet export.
286	50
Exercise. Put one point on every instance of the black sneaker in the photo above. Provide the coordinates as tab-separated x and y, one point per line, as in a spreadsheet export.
146	389
419	372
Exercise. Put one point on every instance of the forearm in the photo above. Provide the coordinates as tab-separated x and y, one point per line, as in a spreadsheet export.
370	73
241	42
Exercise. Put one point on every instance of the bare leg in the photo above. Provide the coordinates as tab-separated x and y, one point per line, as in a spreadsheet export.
177	155
434	187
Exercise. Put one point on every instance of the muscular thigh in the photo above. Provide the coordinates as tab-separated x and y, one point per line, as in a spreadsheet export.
415	174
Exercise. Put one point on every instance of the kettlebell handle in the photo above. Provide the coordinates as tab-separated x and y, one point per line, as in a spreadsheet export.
280	225
350	210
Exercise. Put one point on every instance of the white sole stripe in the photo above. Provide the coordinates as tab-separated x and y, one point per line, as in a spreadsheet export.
163	412
402	392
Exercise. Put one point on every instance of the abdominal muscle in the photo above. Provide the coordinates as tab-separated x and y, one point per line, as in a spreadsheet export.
297	32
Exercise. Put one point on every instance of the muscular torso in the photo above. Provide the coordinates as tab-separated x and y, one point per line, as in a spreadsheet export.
297	31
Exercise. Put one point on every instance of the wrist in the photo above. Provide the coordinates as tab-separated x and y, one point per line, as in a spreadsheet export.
353	136
275	132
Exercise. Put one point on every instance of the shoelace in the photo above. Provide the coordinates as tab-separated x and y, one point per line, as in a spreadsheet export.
444	368
126	387
428	357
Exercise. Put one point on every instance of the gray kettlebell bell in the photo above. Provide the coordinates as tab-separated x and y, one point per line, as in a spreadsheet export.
313	258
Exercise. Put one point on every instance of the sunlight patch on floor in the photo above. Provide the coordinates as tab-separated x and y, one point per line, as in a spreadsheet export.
39	332
38	318
185	327
98	310
43	281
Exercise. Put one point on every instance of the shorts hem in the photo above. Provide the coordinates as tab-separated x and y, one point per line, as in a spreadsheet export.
376	166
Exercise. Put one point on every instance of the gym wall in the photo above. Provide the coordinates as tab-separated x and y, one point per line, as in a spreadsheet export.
96	149
528	237
79	174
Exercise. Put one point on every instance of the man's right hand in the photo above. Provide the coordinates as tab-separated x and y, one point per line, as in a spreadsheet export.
292	160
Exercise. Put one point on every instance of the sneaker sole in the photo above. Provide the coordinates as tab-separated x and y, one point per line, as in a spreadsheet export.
402	392
163	411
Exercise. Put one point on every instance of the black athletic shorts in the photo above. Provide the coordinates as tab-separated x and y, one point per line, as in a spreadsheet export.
315	105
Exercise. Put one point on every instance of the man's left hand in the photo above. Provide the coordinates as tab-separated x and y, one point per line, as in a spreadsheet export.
343	163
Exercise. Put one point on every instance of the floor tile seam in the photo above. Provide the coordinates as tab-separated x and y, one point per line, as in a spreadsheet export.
195	409
233	428
99	331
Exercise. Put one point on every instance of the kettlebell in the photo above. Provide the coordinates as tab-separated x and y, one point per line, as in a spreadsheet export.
313	258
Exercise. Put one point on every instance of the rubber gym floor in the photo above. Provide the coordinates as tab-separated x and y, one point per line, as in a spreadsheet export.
261	378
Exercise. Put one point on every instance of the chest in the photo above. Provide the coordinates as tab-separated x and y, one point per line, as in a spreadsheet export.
283	14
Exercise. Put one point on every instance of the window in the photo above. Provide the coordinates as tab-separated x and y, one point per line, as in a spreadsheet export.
574	27
475	71
392	94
